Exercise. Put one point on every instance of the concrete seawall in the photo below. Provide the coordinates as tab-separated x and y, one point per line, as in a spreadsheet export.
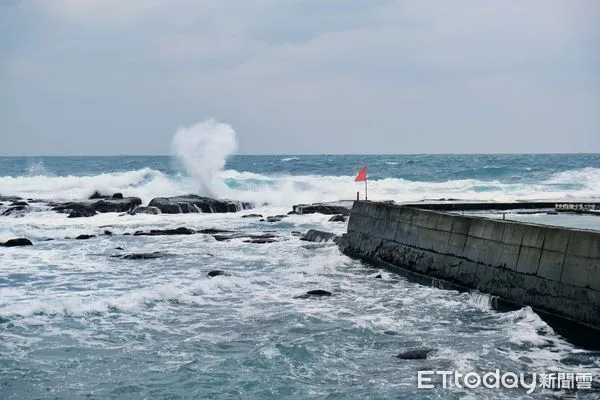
553	270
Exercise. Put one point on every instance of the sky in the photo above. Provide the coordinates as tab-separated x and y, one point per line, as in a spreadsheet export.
93	77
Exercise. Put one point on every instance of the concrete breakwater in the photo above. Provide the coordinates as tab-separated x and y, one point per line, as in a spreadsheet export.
554	270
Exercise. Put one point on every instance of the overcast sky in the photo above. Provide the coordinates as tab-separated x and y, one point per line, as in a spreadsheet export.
301	76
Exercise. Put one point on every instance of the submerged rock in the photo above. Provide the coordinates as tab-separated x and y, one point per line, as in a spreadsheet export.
314	293
252	216
82	213
85	237
212	231
317	236
216	272
337	218
17	242
142	256
196	204
18	210
416	354
260	241
146	210
160	232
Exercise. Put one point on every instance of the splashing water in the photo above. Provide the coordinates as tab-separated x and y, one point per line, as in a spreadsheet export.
203	149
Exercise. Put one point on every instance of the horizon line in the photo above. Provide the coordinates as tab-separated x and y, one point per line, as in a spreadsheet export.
303	154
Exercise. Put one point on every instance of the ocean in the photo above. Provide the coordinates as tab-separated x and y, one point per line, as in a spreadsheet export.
77	323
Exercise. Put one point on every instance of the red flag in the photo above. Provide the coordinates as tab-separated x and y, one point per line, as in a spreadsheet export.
362	175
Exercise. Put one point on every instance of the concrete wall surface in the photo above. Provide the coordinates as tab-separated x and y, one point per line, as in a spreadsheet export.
556	270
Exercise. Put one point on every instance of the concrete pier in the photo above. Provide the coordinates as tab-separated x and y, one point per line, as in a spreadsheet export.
554	270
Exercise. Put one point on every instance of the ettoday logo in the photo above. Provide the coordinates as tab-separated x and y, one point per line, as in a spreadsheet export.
507	380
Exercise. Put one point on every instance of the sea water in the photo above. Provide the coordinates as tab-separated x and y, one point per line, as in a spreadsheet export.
76	322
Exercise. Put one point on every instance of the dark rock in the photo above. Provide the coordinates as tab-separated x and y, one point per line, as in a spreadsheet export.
194	204
85	237
222	238
15	210
82	213
260	241
19	203
252	216
216	272
142	256
265	236
10	198
117	195
337	218
103	205
262	220
323	208
127	234
317	236
97	195
161	232
292	213
118	248
296	233
108	233
390	333
314	293
17	242
378	276
212	231
416	354
117	205
273	219
146	210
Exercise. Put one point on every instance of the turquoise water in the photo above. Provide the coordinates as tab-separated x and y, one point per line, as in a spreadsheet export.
78	323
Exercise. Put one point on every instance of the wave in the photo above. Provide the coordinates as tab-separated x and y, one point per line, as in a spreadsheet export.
289	159
284	190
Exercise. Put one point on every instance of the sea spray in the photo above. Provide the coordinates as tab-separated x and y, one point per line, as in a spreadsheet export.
203	149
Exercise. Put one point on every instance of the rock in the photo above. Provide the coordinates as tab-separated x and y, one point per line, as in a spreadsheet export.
337	218
292	213
117	195
262	220
260	237
317	236
314	293
10	198
117	205
160	232
260	241
273	219
378	276
97	195
416	354
108	233
15	210
17	242
85	237
146	210
82	213
118	248
19	203
252	216
194	204
141	256
103	205
338	207
216	272
296	233
212	231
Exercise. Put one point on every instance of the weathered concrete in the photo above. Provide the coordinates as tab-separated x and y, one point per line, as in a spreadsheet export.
554	270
